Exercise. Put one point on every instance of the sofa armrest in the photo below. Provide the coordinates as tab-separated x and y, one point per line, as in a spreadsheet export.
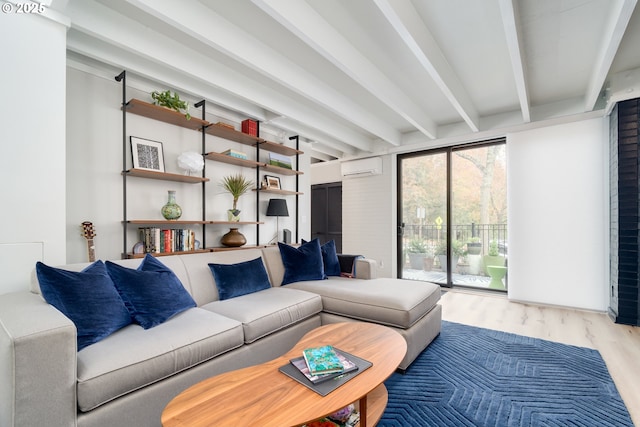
37	363
366	268
357	266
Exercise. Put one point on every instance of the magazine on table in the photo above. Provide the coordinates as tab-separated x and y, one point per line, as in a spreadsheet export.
347	366
325	387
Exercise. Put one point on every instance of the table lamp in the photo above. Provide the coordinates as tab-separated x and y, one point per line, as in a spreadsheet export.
277	208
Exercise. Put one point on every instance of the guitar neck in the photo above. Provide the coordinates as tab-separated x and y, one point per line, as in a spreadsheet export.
92	250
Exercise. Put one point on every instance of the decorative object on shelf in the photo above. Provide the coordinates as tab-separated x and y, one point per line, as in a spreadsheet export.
271	182
147	154
277	208
171	101
233	238
250	127
237	185
171	211
191	161
279	160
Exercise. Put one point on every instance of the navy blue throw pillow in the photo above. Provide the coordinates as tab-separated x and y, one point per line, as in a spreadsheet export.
152	292
88	298
329	258
302	263
234	280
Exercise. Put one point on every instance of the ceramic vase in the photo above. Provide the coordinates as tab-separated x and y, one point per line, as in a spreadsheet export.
233	238
171	211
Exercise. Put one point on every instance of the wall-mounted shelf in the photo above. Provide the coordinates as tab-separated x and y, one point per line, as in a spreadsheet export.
223	158
236	222
164	222
165	176
163	114
280	192
204	128
281	170
232	135
130	255
279	148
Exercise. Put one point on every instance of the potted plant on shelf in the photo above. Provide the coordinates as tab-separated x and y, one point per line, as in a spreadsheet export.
237	185
172	102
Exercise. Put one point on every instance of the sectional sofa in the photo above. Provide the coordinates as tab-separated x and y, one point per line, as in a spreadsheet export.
127	377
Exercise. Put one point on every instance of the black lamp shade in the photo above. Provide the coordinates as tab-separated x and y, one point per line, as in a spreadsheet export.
277	207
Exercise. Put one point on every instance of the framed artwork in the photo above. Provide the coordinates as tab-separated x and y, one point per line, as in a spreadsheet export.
147	154
272	182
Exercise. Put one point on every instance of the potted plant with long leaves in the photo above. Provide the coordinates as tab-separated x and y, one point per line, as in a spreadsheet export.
237	185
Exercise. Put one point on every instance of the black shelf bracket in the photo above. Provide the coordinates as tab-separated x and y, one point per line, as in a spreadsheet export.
122	77
204	172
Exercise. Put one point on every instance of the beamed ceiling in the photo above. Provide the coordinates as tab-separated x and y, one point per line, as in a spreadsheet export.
353	77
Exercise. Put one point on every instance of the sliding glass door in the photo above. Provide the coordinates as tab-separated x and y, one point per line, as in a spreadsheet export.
452	215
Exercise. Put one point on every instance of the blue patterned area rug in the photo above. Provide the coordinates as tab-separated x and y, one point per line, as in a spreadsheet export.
472	376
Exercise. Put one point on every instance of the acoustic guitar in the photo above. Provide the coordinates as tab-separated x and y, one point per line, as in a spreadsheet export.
88	232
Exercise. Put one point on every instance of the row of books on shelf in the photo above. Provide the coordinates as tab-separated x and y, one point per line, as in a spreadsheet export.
157	240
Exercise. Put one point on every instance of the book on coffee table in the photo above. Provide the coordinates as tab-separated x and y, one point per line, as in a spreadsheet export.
325	387
322	360
347	366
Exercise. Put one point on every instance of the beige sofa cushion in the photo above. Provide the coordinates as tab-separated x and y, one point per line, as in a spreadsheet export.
393	302
132	357
267	311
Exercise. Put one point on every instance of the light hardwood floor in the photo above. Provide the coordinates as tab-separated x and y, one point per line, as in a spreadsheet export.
619	345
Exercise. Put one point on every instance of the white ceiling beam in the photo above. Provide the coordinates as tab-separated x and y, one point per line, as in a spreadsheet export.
159	51
406	21
511	25
202	24
617	24
321	156
304	22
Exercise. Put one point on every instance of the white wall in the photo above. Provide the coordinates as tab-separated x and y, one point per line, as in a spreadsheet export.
369	216
32	147
94	183
558	198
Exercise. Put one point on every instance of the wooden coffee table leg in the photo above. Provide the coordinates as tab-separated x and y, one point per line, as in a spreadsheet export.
363	412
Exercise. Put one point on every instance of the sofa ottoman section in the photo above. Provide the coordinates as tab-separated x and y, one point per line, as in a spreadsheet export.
133	357
267	311
391	302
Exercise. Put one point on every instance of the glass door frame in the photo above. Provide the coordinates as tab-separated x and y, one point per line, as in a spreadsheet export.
449	226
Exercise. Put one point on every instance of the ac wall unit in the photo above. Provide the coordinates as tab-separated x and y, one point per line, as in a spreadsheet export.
361	167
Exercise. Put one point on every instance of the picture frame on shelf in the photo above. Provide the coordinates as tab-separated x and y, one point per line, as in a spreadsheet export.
147	154
280	160
272	182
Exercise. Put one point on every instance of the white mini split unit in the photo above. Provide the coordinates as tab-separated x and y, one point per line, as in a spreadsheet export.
361	167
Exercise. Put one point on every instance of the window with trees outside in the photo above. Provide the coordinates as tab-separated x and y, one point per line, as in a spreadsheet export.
452	215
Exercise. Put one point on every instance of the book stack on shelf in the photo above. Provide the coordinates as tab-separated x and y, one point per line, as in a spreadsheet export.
324	368
250	127
156	240
236	154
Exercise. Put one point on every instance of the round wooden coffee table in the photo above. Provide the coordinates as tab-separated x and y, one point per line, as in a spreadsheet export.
261	395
